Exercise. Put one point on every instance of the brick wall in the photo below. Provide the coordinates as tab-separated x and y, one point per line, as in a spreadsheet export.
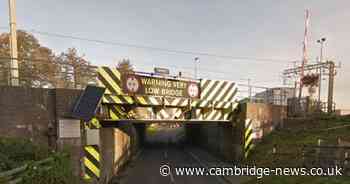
27	113
33	113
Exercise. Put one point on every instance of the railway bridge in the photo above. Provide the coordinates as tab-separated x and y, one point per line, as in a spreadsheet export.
123	110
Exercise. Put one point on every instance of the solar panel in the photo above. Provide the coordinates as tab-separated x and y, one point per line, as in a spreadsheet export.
86	106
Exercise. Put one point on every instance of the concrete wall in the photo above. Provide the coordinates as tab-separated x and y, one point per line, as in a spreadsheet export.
217	138
265	117
118	146
226	139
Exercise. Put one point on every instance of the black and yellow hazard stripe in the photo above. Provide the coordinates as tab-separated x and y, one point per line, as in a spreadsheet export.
92	162
148	100
117	99
210	104
248	137
94	123
218	90
110	79
117	112
176	102
92	154
139	100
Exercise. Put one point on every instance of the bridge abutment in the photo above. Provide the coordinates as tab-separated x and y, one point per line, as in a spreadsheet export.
117	146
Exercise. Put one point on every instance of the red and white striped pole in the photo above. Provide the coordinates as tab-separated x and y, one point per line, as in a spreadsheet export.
304	59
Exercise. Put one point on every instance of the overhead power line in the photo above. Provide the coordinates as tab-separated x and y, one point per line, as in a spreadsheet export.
174	51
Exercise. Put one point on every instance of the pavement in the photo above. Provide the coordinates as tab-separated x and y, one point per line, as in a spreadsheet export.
146	168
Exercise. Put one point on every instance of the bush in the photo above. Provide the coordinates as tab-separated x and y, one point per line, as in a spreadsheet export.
58	171
15	152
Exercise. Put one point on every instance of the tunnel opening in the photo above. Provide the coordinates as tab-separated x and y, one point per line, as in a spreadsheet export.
164	135
157	143
151	139
215	137
218	138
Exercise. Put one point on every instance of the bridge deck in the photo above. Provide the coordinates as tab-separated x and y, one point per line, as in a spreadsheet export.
113	122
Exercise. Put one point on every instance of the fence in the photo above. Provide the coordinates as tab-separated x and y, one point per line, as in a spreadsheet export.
306	106
309	156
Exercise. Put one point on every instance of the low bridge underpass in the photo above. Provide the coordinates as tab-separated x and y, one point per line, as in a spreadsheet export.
177	143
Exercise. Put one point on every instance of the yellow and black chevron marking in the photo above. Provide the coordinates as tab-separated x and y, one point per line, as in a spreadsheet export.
214	93
117	99
93	124
148	100
213	115
169	113
117	112
110	79
177	113
176	102
124	99
91	162
248	137
218	90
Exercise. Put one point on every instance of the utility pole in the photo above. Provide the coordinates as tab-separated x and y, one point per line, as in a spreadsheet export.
304	61
321	42
330	86
295	81
14	74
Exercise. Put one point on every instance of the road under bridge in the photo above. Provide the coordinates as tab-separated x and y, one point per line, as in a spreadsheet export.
131	103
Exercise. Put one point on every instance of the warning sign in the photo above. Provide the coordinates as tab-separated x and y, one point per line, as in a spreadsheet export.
144	85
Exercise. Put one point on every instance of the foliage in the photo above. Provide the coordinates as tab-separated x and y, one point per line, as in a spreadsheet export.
59	171
301	180
76	71
16	152
289	143
39	66
36	62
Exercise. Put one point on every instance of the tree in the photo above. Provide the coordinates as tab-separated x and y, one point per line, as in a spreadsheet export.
76	71
37	64
125	66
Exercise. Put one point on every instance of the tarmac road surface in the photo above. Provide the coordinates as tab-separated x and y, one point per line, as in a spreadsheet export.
146	169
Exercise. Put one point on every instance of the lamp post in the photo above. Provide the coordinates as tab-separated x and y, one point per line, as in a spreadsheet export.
196	61
321	42
249	90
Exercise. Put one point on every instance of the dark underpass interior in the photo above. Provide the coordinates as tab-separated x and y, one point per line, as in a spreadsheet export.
172	145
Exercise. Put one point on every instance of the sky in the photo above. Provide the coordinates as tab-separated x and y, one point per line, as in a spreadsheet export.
247	31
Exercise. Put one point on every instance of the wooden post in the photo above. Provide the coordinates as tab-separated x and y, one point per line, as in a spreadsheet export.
14	73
